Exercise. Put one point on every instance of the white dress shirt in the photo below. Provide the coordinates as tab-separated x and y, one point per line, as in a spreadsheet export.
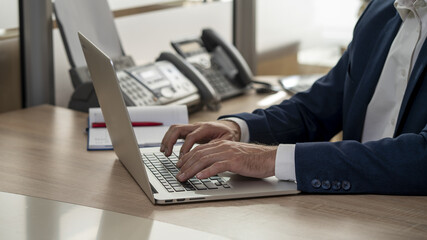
383	110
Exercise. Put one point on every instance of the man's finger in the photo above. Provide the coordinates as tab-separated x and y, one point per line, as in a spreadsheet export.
194	155
214	169
198	165
190	140
174	133
199	135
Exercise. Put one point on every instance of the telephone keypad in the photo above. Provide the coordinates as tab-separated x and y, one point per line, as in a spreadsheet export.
218	81
138	94
201	60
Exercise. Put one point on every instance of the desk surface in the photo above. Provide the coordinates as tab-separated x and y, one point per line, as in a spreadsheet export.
43	154
24	217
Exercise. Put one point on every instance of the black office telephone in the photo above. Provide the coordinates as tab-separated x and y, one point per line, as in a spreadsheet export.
220	62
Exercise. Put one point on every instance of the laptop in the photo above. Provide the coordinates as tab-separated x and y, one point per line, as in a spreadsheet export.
153	171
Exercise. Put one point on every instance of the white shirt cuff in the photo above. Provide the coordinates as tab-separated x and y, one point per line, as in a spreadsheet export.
244	129
285	162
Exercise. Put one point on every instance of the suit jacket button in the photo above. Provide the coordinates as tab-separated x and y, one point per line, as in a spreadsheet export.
346	185
326	184
316	183
336	185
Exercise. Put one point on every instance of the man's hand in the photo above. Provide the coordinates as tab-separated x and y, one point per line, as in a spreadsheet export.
218	156
199	133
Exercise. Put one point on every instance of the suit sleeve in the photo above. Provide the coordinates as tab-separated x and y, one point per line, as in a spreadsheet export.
387	166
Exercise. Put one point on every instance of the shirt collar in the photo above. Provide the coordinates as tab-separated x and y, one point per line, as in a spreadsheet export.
403	7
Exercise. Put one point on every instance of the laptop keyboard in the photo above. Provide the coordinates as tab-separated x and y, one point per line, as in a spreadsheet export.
164	168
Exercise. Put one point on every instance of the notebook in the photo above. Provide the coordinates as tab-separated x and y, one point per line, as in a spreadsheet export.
150	123
152	171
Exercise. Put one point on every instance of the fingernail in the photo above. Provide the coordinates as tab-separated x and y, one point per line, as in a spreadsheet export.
200	175
162	148
181	176
179	163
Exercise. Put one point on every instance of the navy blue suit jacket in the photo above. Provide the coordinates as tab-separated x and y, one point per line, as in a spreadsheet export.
339	101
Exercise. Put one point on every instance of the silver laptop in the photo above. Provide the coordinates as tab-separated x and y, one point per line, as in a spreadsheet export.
149	167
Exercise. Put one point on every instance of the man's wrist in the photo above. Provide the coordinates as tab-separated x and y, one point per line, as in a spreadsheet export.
235	128
243	128
272	160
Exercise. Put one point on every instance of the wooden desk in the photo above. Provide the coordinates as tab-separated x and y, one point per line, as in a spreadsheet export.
43	154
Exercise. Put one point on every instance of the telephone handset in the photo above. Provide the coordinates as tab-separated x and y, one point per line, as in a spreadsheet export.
220	62
209	96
